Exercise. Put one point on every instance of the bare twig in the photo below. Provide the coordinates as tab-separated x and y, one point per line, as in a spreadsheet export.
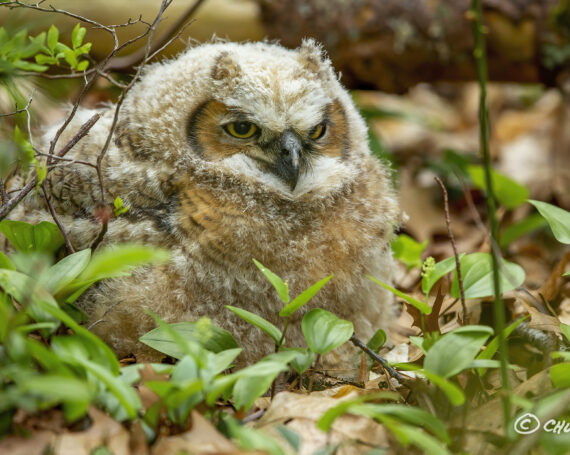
56	218
128	61
9	205
454	246
361	345
18	111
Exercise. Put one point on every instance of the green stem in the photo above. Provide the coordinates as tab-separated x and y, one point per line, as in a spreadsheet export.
284	331
498	308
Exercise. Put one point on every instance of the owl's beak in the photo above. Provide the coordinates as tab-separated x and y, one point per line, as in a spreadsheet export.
289	167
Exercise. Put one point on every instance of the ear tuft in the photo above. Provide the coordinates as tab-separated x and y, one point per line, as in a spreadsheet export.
313	58
225	68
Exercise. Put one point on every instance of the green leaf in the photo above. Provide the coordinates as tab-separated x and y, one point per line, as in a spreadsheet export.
119	206
45	60
292	437
70	58
522	227
104	351
408	251
280	286
453	393
82	66
249	438
303	361
210	337
324	331
566	331
326	421
440	269
423	307
43	237
493	345
454	351
477	273
303	297
126	395
24	145
117	261
5	262
65	271
77	36
558	219
560	375
257	321
509	193
52	38
377	340
409	414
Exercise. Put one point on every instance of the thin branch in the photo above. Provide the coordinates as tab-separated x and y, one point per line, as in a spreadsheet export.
361	345
454	246
7	208
56	218
18	111
128	61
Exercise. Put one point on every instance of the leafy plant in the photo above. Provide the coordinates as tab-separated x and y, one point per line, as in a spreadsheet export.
79	369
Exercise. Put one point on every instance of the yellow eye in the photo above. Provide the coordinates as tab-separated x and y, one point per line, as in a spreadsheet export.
318	131
241	130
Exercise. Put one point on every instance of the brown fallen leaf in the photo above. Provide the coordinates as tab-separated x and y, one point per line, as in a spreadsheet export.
300	414
203	438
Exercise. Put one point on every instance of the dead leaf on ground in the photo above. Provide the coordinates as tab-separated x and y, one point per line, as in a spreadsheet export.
203	438
300	414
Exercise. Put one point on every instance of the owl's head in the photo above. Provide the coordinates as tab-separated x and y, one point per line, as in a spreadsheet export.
277	118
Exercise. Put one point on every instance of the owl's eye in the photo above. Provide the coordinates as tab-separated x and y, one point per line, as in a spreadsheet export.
241	130
318	131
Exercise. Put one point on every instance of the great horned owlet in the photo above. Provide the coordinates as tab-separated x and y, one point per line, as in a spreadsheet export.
227	153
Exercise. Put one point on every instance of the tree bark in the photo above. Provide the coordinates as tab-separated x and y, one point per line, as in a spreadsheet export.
392	45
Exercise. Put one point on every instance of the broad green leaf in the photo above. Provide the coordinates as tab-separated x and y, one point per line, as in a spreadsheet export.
407	250
52	38
423	307
29	66
520	228
509	193
65	271
77	36
210	337
112	365
560	375
454	351
305	358
25	237
440	269
82	66
5	262
70	58
280	286
493	345
24	145
126	395
257	321
303	298
477	273
324	331
115	261
558	219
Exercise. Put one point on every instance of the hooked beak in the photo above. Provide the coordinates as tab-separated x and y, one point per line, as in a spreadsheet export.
288	167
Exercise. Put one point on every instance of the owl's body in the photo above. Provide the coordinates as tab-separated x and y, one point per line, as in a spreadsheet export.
227	153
